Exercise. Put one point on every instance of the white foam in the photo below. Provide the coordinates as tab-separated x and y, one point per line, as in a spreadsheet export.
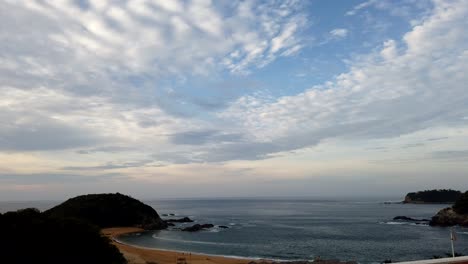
192	241
403	223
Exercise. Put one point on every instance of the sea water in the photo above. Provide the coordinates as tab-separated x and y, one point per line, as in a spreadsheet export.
302	229
292	229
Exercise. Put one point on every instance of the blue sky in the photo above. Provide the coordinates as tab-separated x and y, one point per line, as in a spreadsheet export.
232	98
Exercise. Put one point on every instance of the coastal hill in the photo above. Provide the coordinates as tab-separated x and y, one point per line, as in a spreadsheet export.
455	215
29	236
433	196
109	210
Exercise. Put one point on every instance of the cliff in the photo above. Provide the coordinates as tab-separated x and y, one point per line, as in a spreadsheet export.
109	210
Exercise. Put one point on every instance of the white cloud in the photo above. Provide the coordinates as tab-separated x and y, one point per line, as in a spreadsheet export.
389	50
159	37
403	8
69	98
361	6
417	87
339	33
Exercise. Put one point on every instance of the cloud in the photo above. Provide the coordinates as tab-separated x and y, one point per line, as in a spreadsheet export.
451	155
105	149
412	145
48	178
42	119
158	90
339	33
360	6
436	138
403	8
133	36
112	166
389	50
384	95
37	132
204	137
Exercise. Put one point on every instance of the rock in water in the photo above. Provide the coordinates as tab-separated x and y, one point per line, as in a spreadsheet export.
197	227
109	210
181	220
406	218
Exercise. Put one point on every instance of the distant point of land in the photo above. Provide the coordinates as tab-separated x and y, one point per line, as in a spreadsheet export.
433	197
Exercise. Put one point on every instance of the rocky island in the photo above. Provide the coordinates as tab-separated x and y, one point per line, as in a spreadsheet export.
433	197
455	215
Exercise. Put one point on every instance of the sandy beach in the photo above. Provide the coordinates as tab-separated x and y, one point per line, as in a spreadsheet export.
137	255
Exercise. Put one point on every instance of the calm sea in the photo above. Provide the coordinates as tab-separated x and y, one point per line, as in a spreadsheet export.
292	229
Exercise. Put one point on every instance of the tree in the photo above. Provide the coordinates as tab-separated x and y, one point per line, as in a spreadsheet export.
29	236
461	205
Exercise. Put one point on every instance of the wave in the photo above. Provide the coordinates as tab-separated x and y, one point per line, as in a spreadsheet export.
403	223
215	229
194	241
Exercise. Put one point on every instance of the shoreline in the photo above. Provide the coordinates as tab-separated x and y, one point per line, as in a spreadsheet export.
144	255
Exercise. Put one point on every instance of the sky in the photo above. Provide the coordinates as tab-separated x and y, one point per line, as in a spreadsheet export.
199	98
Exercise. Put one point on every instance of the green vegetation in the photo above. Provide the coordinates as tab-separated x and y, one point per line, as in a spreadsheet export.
28	236
461	205
433	196
109	210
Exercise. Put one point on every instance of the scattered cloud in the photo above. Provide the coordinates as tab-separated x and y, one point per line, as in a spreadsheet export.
385	95
412	145
204	137
451	155
49	178
360	6
402	9
436	138
112	166
339	33
158	90
132	36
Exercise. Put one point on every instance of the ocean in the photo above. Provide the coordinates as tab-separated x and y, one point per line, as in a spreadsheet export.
299	229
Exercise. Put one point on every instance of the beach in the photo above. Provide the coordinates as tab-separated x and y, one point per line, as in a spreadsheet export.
139	255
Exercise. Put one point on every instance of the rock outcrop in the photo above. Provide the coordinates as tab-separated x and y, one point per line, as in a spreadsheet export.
449	217
455	215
